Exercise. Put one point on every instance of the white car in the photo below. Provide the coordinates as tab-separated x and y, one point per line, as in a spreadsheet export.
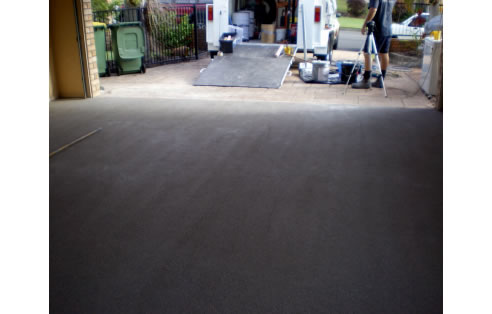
411	28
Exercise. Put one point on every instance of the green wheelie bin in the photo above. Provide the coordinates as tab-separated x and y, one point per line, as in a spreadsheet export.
128	47
100	41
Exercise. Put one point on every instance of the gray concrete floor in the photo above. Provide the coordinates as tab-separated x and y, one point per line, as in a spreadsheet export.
195	206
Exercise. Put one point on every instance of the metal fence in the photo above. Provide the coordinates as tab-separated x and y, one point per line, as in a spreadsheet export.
173	33
409	19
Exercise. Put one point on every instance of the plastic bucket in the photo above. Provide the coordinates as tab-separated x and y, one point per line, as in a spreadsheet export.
241	19
251	22
436	34
280	34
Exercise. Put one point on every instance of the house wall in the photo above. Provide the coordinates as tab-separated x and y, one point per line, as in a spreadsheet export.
89	51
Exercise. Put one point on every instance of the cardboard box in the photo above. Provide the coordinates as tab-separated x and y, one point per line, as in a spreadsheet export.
267	33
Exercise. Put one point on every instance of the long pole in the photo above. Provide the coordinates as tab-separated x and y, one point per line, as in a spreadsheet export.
304	33
287	25
74	142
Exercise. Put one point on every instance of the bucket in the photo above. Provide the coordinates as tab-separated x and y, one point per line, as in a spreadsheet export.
321	71
241	19
436	34
251	22
280	34
345	67
245	32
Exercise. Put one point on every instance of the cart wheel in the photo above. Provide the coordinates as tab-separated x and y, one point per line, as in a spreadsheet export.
118	71
142	69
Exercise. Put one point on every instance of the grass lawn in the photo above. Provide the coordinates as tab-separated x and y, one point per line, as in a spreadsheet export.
342	6
351	22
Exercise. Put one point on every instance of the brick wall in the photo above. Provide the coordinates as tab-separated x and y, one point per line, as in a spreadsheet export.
91	47
405	45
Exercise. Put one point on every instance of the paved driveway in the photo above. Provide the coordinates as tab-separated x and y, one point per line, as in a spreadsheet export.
175	82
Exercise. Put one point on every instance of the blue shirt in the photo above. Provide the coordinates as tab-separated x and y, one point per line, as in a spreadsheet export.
384	16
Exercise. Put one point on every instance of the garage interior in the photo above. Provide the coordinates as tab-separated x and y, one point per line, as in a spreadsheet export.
182	205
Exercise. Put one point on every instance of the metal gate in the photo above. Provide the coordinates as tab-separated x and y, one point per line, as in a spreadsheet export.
173	33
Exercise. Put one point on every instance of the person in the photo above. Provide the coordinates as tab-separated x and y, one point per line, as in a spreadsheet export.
380	11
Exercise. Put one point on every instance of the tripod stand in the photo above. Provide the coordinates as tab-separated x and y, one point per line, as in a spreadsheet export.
371	47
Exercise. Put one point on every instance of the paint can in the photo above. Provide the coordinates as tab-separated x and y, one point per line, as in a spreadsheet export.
251	22
321	71
241	19
280	34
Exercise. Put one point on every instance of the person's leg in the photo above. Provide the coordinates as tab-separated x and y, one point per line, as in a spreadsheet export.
367	64
365	83
384	60
384	57
383	46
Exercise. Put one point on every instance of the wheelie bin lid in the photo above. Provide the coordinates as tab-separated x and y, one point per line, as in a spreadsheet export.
125	24
98	25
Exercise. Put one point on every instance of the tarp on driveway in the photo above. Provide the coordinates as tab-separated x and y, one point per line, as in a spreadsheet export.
250	65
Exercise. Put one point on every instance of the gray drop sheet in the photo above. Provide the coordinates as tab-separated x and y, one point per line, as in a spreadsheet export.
250	65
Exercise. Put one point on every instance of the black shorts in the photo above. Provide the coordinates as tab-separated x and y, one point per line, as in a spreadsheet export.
382	43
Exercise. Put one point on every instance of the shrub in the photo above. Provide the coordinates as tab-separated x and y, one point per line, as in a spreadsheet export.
133	3
401	12
356	8
169	29
175	31
103	5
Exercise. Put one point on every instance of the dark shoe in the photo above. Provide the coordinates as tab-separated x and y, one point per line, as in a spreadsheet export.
364	84
378	83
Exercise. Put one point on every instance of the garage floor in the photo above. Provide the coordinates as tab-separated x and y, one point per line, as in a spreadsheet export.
195	206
